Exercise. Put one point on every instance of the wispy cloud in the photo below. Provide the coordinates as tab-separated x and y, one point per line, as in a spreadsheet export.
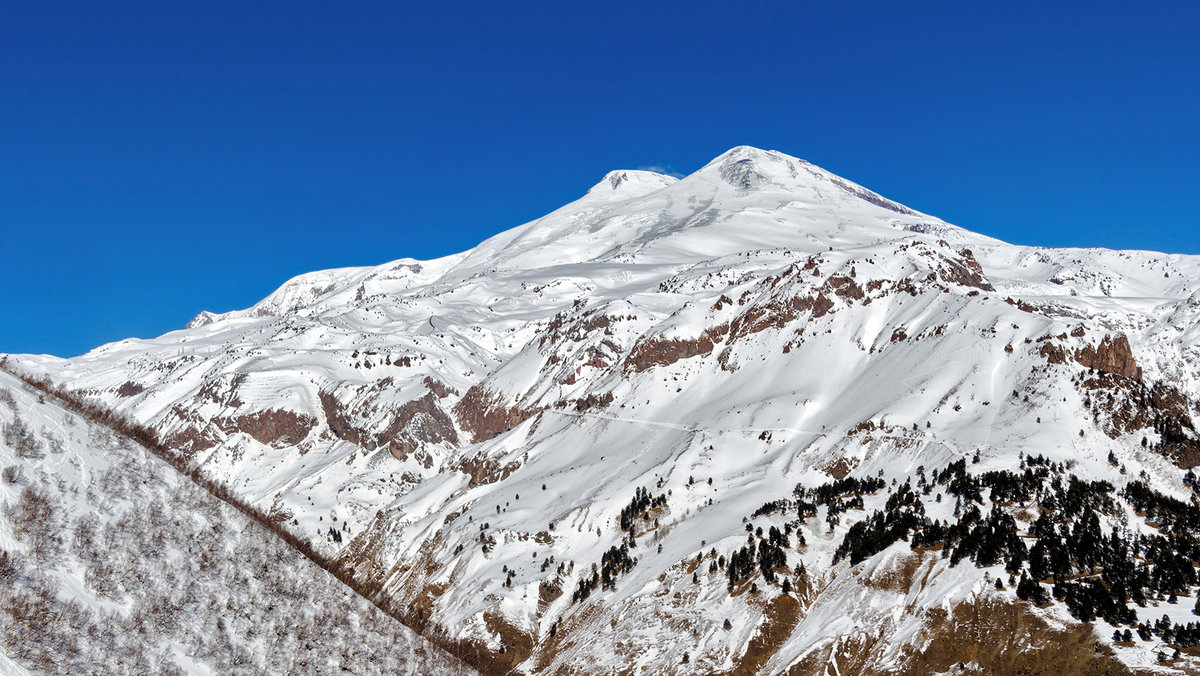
661	170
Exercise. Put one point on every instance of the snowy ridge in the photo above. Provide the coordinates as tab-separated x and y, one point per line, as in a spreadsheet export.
473	426
113	563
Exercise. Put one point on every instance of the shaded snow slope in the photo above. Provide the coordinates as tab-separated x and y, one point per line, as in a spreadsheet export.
110	562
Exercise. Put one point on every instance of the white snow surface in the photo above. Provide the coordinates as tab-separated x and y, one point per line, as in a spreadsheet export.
822	305
133	569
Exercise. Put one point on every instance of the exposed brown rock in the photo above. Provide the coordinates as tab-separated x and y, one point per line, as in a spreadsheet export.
999	637
130	389
226	396
273	427
416	423
1122	405
775	314
1054	354
840	468
439	388
661	352
845	287
1113	355
547	593
190	440
339	421
485	470
968	272
821	306
780	618
560	329
593	401
483	413
1021	305
518	645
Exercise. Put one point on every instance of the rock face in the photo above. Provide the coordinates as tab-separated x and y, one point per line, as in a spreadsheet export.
662	352
483	414
338	420
1113	355
419	422
271	427
559	448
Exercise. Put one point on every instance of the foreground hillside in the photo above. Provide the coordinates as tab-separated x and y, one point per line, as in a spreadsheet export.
110	562
651	432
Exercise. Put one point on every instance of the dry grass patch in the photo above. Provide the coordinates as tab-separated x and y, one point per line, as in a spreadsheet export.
779	619
997	637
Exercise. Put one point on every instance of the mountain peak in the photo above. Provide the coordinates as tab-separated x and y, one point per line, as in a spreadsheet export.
627	183
748	168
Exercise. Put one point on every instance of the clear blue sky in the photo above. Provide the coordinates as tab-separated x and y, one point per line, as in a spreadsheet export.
162	158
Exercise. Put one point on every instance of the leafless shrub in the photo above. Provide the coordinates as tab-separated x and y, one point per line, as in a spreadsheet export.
8	568
21	439
11	474
33	521
206	572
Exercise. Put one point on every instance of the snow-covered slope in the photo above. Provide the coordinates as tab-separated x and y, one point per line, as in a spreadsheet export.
472	427
111	562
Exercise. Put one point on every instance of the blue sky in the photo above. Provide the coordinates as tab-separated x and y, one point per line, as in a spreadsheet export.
164	158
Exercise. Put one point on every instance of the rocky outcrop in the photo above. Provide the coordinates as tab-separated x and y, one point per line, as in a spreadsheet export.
130	389
483	413
845	287
1053	353
223	390
438	388
664	351
188	433
967	272
778	313
272	427
339	420
1113	355
485	470
416	423
1120	405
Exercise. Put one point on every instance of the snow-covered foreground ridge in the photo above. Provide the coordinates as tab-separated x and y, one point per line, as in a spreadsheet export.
558	447
113	563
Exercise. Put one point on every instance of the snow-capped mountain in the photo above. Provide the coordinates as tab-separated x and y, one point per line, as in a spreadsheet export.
550	449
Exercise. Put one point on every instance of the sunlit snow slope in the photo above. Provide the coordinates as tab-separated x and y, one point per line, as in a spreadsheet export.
464	433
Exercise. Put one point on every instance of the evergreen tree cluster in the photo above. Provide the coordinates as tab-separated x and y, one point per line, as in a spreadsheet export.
740	565
1096	572
772	507
839	496
764	553
613	563
1066	555
839	489
1170	513
1181	635
771	554
903	513
1089	599
640	507
1028	590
